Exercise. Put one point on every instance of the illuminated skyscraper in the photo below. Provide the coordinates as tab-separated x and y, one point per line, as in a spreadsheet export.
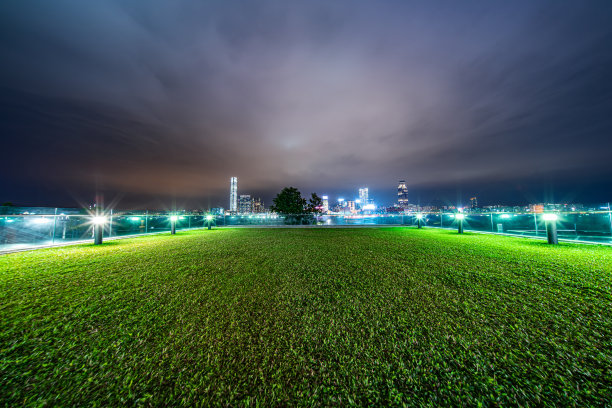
258	206
474	202
325	201
233	207
245	205
402	194
363	196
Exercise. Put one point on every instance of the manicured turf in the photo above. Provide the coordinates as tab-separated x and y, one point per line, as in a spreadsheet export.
308	317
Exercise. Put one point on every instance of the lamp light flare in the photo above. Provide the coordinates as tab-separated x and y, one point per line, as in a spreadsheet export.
460	216
550	217
41	220
173	218
98	219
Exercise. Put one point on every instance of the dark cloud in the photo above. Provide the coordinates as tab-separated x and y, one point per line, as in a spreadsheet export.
144	99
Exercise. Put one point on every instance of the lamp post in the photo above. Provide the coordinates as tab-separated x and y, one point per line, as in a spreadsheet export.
551	228
98	223
173	219
209	220
460	218
419	218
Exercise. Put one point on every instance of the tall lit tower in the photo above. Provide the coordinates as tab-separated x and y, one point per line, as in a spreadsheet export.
233	194
363	196
402	194
325	204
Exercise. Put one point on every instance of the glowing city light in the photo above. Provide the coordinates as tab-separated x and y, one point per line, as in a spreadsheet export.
550	217
134	218
505	216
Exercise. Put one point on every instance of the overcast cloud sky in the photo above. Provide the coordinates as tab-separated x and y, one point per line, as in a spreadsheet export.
154	101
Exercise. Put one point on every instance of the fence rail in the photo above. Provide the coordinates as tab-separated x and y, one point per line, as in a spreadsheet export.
33	227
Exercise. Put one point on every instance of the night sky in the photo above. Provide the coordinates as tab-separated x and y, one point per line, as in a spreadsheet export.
159	103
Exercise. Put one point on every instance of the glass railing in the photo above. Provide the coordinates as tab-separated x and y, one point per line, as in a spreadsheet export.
22	228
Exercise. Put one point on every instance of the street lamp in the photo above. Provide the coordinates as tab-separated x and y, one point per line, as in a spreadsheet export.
551	228
419	218
209	219
173	219
460	217
98	223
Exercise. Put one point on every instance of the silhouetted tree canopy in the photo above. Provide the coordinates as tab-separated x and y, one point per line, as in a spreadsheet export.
315	204
289	201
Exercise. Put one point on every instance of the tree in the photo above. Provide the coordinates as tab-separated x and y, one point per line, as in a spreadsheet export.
289	202
315	204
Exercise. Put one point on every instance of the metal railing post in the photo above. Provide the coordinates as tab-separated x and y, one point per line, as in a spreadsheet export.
54	224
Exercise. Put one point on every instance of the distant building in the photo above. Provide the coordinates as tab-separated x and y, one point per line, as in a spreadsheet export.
325	201
216	211
474	202
536	208
351	206
257	206
245	206
363	196
402	194
233	207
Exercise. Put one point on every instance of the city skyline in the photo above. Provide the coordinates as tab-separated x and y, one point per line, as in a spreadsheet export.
155	104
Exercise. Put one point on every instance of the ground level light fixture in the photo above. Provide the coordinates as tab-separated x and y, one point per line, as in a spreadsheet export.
173	219
419	218
551	228
98	226
460	217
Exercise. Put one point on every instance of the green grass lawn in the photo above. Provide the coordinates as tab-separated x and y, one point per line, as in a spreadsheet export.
368	316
